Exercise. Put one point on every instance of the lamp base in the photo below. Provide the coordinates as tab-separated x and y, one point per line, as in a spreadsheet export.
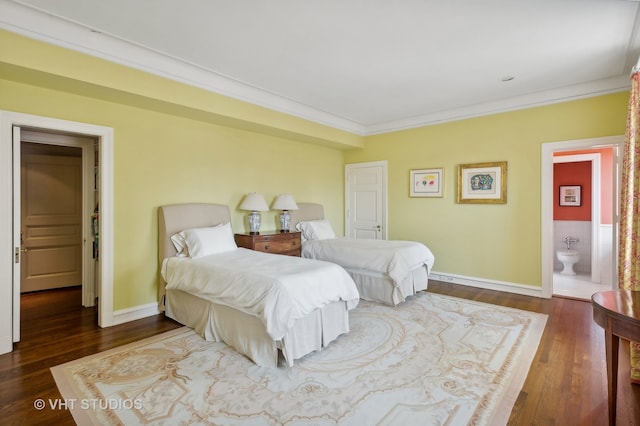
254	223
285	221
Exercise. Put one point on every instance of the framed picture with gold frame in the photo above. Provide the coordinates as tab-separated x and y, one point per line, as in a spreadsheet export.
426	182
482	183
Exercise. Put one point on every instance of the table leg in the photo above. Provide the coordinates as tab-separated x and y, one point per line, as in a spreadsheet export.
612	345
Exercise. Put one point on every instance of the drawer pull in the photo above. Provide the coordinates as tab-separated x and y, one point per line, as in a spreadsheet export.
266	247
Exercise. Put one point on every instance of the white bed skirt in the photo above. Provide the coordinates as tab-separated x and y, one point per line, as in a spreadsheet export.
379	287
246	333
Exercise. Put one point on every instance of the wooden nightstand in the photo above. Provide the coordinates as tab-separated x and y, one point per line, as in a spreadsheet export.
287	243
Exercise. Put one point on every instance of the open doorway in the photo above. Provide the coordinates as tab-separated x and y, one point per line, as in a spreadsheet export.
596	227
11	124
582	221
58	213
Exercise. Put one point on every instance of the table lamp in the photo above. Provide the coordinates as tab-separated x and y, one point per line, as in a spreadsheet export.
254	203
284	202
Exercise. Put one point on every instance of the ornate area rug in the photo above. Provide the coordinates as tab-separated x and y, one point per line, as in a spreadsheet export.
433	360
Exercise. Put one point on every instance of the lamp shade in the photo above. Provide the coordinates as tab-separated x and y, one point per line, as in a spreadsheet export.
284	202
254	202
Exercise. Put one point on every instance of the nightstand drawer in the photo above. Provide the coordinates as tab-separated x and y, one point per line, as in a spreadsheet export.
287	243
277	246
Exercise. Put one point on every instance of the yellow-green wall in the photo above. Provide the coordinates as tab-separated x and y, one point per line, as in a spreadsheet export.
163	159
174	143
493	242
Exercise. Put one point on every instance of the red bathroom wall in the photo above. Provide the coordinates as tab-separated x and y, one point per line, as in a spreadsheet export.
606	176
578	173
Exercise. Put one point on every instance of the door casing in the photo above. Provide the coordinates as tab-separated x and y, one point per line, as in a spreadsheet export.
9	295
546	202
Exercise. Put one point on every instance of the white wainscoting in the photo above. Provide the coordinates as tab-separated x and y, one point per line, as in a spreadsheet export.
576	229
606	255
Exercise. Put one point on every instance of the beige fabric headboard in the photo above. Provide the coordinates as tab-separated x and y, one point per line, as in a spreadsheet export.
306	211
178	217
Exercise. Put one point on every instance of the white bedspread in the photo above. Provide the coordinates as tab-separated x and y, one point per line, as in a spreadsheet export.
277	289
392	257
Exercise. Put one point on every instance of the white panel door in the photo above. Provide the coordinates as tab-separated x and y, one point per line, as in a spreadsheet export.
51	222
366	200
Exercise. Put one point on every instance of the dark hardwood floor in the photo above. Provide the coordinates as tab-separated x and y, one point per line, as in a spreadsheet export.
55	329
566	384
567	381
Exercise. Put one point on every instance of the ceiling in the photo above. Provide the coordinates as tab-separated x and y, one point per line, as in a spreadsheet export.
365	66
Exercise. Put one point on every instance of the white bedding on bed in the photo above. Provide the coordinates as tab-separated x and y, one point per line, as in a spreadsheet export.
394	258
277	289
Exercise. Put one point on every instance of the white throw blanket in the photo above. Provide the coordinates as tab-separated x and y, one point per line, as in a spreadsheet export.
392	257
277	289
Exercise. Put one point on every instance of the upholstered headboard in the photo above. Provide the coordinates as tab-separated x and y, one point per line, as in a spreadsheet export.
178	217
306	211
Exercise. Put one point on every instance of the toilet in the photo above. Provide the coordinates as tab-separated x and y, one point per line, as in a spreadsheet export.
568	259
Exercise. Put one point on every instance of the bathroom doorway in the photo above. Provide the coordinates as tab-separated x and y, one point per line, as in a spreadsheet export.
581	221
591	167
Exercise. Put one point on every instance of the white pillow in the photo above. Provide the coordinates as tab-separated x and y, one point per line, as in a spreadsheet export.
316	230
179	244
205	241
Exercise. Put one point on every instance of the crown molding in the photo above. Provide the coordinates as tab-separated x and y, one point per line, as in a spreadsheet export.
51	29
611	85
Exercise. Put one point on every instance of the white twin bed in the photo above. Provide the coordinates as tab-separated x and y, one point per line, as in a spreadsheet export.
385	271
260	304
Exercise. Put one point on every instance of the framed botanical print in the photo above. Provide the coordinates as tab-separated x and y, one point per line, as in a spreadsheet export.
426	182
482	183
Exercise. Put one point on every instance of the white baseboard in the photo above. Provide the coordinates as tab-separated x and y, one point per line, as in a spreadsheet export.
137	312
527	290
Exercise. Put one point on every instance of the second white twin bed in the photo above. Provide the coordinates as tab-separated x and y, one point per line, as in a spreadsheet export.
386	271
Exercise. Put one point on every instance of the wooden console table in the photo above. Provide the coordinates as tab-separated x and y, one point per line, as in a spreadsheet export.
618	312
